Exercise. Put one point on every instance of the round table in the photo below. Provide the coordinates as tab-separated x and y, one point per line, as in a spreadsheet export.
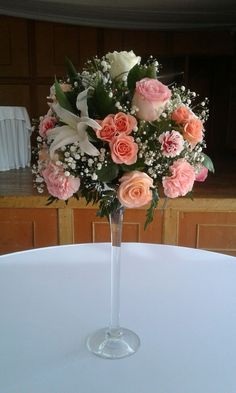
180	301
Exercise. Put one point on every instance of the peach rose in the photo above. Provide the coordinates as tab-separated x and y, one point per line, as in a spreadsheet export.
44	153
46	124
59	185
124	123
181	180
150	98
135	189
108	130
123	149
202	174
181	115
193	131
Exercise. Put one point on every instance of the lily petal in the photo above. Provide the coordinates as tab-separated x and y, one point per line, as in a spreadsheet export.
66	116
81	103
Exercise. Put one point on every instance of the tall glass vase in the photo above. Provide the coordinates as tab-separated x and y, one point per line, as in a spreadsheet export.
114	342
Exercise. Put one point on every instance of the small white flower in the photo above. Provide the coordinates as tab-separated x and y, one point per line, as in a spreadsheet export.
94	176
90	162
67	173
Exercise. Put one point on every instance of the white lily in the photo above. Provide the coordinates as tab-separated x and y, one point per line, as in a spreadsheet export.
74	129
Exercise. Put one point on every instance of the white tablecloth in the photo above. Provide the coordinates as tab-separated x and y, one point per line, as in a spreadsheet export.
15	131
181	302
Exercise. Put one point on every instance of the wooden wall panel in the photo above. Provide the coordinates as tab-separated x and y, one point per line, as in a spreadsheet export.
113	39
22	229
203	43
90	228
136	41
159	43
41	94
14	55
208	230
88	44
54	42
15	95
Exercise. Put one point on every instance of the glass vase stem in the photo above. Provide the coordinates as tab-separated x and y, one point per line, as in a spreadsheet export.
116	219
114	342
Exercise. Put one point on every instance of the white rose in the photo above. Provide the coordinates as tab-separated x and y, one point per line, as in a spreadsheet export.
122	62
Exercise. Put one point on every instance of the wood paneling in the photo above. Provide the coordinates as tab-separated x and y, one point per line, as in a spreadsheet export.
54	42
22	229
208	230
15	95
203	43
90	228
14	54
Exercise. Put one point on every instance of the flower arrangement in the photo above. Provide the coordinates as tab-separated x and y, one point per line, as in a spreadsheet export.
115	134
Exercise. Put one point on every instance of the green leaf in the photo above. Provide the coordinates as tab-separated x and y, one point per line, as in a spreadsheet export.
71	70
62	98
102	102
139	72
137	166
108	173
150	210
208	163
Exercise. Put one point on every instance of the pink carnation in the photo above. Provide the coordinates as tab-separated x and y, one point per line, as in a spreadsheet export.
181	180
46	124
172	143
59	185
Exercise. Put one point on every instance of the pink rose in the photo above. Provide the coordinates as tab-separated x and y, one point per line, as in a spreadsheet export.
181	181
193	131
108	130
202	174
134	190
150	98
172	143
46	124
123	149
124	123
59	185
181	115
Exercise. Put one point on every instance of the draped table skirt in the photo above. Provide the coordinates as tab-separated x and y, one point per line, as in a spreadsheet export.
15	132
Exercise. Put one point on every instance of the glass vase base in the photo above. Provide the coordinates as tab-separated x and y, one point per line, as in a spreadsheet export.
113	343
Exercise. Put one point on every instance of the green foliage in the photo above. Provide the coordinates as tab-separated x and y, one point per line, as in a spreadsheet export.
153	205
108	204
102	102
71	70
208	163
137	166
108	173
139	72
62	97
51	199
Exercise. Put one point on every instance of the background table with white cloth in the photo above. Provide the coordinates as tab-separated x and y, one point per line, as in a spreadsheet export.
15	132
180	301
